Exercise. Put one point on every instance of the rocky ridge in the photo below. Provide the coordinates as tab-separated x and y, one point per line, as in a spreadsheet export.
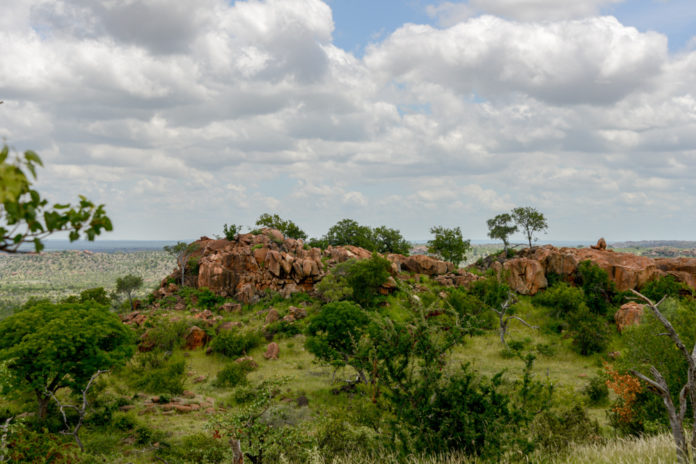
527	272
252	264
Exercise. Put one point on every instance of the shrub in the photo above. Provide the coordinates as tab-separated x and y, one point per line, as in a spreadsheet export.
556	431
234	343
590	333
231	375
199	448
209	300
597	287
663	286
366	276
562	298
167	335
23	445
157	373
596	390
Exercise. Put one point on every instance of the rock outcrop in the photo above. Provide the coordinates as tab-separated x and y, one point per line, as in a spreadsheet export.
526	272
252	264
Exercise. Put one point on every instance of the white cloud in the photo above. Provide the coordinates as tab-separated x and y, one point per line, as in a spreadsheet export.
253	109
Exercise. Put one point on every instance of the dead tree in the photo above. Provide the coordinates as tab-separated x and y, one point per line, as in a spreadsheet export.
504	320
81	410
688	391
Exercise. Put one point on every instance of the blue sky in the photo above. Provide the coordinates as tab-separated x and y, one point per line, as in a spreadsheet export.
184	115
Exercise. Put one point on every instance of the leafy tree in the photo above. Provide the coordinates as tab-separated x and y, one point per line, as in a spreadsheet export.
596	286
366	277
333	335
349	232
286	226
129	284
230	232
27	217
54	346
530	220
390	241
182	251
448	244
500	227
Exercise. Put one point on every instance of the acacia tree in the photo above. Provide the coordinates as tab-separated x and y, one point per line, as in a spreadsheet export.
182	251
128	284
27	217
349	232
390	240
500	227
448	244
530	220
286	226
52	346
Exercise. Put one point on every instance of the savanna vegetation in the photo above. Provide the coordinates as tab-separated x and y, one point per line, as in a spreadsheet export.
351	372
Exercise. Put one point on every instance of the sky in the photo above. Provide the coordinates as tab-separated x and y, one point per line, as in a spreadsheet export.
184	115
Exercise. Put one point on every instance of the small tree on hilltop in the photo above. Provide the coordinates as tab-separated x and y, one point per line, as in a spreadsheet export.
349	232
286	226
26	217
391	241
182	251
500	227
52	346
231	231
530	220
449	244
128	284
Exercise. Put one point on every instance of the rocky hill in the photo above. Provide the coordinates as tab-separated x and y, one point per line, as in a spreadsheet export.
527	272
252	264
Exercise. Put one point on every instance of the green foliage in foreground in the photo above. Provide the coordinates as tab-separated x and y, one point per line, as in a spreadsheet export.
54	346
26	217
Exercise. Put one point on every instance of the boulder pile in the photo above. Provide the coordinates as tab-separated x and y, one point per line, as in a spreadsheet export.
526	272
250	265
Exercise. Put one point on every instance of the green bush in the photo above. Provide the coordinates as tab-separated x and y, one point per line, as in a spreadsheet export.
24	445
209	300
157	373
597	287
235	343
167	335
199	448
231	375
556	431
663	286
596	390
591	333
366	276
562	298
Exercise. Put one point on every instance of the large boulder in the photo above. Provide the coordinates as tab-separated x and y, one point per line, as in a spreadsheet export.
422	264
629	314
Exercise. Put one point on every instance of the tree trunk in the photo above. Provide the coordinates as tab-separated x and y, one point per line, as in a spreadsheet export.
237	455
43	405
130	300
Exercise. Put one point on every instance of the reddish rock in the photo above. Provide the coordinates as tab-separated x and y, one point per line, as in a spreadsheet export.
200	379
231	325
684	269
183	408
525	276
422	264
195	338
188	394
231	307
601	244
289	318
272	316
145	344
297	313
272	351
629	314
135	318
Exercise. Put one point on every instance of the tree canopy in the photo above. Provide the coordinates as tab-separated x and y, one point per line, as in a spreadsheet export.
286	226
448	244
27	217
500	228
530	220
52	346
128	284
182	251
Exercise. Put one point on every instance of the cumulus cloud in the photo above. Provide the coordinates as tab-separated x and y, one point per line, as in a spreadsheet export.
449	13
198	113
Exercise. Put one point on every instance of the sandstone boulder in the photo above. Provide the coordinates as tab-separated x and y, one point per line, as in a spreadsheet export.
272	316
195	338
629	314
272	351
422	264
